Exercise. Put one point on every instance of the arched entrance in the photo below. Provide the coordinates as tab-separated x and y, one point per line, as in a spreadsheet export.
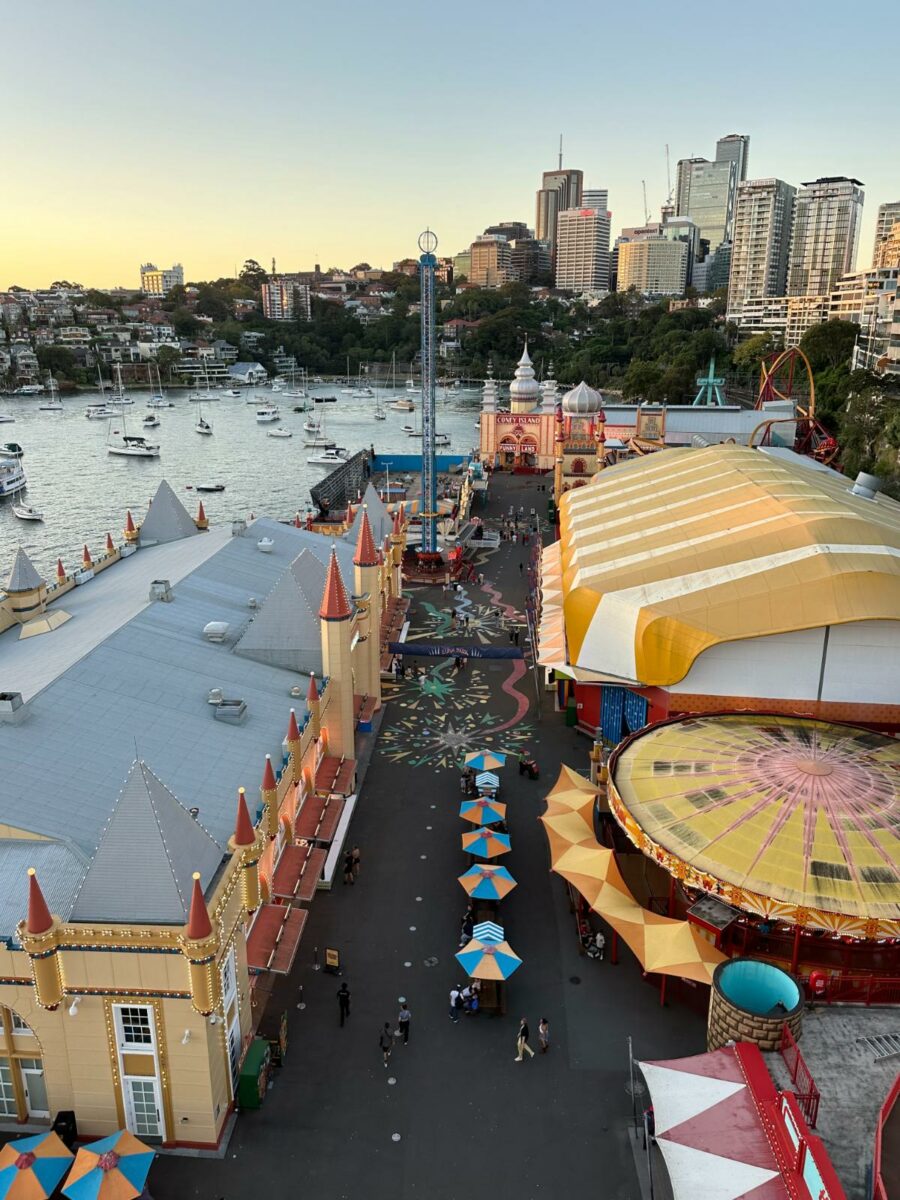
528	451
23	1089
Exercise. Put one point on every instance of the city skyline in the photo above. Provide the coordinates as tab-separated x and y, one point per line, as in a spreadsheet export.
311	145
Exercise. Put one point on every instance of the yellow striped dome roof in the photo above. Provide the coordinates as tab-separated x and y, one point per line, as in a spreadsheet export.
665	556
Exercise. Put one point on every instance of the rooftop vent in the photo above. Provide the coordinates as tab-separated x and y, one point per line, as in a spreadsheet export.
216	631
195	812
12	707
215	696
265	545
867	486
232	711
253	602
161	589
238	528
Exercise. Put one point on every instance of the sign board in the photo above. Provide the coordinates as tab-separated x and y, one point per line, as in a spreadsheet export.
332	959
651	424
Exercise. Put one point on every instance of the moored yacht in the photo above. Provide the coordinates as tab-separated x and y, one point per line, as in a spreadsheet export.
12	476
268	412
334	456
99	412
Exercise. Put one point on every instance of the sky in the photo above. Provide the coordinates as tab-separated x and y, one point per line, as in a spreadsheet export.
211	131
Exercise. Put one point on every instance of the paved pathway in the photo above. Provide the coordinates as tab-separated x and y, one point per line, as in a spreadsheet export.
471	1122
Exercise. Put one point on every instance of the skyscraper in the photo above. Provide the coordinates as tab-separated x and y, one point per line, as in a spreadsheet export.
735	147
582	250
560	189
706	191
762	240
827	214
490	261
595	198
888	215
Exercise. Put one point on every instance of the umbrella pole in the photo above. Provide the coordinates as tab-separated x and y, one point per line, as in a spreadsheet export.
662	991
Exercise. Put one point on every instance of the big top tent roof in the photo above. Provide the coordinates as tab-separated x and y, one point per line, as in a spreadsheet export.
784	817
665	556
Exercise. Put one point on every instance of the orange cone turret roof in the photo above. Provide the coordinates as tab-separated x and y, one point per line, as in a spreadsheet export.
335	605
397	530
39	919
293	733
86	557
268	776
199	925
129	522
109	543
201	512
243	826
365	555
60	569
312	693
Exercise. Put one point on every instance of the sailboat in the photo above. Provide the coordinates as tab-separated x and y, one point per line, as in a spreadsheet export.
26	513
315	436
54	404
202	426
158	397
207	394
130	445
348	390
118	396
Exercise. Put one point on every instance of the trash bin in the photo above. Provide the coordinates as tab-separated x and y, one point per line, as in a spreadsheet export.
254	1077
66	1127
572	712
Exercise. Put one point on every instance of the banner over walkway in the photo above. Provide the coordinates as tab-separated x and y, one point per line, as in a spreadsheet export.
446	650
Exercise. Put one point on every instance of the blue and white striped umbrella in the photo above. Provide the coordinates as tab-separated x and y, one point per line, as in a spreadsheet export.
488	931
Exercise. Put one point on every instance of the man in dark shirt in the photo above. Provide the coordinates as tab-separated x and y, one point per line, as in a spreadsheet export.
343	996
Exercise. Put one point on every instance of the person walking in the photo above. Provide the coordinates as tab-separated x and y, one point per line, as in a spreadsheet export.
348	866
544	1035
403	1019
522	1041
600	943
386	1042
355	857
343	996
521	567
454	1004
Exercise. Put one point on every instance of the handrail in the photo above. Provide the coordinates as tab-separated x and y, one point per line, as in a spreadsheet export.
879	1191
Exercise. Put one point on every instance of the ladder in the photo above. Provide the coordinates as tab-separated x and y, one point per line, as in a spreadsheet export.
885	1045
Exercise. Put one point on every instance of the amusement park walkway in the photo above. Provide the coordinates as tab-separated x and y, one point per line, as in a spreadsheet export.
472	1123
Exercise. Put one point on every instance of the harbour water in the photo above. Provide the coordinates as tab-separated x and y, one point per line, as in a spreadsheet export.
84	492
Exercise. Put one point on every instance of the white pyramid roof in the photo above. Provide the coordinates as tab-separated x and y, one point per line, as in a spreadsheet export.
167	519
286	631
23	576
142	870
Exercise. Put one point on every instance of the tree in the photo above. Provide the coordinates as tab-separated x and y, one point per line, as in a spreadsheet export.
185	323
253	274
98	299
642	381
829	344
59	360
211	303
166	358
748	355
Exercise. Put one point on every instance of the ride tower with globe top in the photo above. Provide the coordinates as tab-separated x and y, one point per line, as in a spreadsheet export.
429	555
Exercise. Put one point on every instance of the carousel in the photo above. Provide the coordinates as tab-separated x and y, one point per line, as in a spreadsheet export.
791	823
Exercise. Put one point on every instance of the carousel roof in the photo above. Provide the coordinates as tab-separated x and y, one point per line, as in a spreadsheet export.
665	556
786	817
582	401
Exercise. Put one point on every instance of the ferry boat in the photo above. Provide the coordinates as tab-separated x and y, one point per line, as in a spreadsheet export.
268	412
12	476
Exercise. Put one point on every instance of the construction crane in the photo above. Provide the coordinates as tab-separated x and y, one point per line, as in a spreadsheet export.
669	196
646	209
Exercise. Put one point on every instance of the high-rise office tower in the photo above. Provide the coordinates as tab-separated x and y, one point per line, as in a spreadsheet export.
735	148
509	229
762	241
706	191
595	198
888	216
653	266
827	214
560	189
582	250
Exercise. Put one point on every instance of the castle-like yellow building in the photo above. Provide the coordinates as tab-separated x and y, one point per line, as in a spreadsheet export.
144	893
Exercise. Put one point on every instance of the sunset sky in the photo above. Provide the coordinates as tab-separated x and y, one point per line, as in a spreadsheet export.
206	133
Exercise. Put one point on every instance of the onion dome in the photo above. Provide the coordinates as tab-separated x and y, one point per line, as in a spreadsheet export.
582	401
525	388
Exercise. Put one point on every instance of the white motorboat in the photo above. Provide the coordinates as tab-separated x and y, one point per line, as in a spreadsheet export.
311	426
26	513
159	402
442	439
11	450
12	476
280	432
364	391
268	412
410	429
99	412
132	445
6	419
150	421
29	389
231	392
401	404
333	457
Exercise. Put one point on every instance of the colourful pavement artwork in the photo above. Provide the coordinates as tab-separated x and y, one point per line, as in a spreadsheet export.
443	710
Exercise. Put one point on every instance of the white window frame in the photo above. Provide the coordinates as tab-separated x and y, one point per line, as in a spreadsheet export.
122	1039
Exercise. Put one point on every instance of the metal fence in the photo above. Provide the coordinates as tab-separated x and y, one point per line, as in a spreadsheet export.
804	1085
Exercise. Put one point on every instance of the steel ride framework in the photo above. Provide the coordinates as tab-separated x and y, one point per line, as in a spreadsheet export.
777	375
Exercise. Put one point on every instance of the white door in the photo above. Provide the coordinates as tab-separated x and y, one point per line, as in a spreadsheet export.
232	1016
143	1107
35	1087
